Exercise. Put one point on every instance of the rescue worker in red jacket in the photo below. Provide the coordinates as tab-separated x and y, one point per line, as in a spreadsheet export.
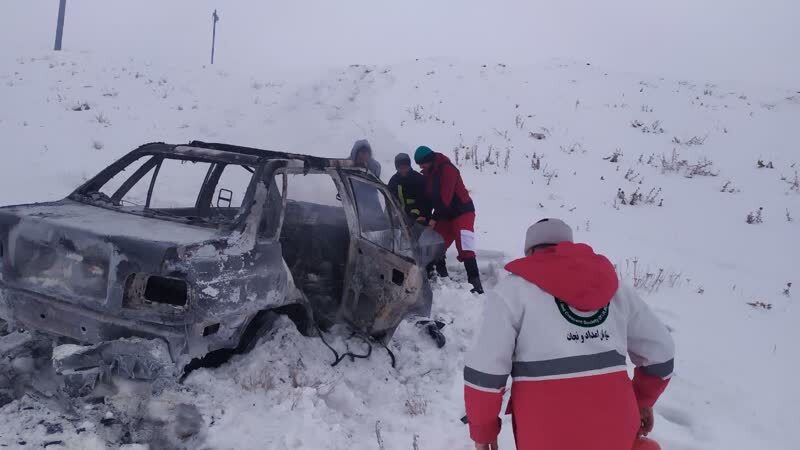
561	326
453	211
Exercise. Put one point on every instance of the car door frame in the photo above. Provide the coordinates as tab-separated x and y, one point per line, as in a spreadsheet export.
394	283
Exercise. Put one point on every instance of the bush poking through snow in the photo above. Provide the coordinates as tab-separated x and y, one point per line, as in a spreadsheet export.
701	169
760	305
674	163
489	154
649	281
519	122
653	197
457	154
633	176
789	217
787	292
97	145
755	217
728	187
614	157
549	174
418	113
536	162
794	183
650	159
761	165
81	107
102	119
574	148
471	154
695	140
653	128
502	134
537	136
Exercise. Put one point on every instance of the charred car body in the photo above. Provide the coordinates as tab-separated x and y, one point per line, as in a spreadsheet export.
174	251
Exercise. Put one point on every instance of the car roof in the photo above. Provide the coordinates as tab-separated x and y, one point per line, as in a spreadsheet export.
245	155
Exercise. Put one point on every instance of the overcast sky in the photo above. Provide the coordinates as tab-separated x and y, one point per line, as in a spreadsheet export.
757	40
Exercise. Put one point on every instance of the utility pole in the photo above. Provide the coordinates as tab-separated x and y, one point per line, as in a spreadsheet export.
62	6
214	19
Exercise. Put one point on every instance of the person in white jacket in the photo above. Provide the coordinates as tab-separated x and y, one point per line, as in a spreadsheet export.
561	325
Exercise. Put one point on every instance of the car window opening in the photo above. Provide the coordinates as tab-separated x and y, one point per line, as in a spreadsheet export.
199	192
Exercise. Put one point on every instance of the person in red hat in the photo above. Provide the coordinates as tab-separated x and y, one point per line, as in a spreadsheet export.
453	211
561	325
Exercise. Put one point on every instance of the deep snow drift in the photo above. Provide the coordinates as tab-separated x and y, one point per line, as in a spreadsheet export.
532	142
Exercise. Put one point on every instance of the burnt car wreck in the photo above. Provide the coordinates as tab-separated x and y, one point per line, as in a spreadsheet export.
176	251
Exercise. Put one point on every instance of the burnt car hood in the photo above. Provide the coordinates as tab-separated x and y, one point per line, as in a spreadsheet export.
76	251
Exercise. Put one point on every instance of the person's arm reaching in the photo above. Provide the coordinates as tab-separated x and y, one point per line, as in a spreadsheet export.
422	209
488	366
393	184
447	187
448	178
652	351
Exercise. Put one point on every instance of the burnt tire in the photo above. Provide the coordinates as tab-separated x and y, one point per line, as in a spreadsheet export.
257	328
301	316
263	322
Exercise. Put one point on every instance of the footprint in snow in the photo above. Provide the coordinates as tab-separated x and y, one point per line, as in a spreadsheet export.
676	416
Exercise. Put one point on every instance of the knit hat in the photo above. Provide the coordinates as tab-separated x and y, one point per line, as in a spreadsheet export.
402	159
423	155
547	231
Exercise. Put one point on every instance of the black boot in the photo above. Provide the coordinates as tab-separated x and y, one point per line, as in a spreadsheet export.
441	268
473	275
434	330
430	270
436	334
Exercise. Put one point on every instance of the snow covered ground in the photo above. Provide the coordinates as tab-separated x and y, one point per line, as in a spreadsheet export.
532	142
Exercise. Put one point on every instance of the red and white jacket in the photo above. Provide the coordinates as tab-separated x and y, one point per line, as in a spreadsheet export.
561	326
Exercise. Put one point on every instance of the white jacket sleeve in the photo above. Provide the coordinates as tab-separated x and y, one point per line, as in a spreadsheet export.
493	350
651	349
650	344
487	369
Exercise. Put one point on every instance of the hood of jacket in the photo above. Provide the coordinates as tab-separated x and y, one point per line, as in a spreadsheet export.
571	272
372	165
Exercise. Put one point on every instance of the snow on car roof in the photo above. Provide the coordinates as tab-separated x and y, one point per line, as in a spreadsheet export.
216	154
108	222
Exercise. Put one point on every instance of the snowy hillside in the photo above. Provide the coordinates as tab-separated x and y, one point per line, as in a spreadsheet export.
555	140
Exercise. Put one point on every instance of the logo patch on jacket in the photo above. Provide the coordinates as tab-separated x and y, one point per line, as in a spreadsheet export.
572	317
